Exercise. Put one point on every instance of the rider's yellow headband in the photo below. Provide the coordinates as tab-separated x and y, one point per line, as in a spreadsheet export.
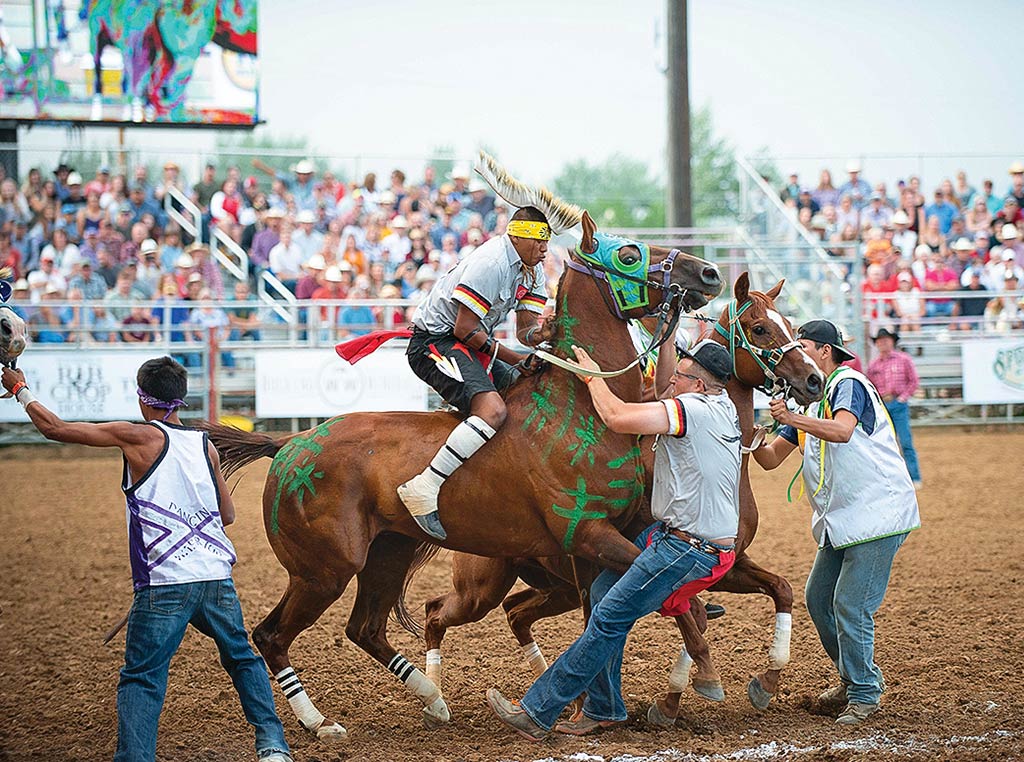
539	231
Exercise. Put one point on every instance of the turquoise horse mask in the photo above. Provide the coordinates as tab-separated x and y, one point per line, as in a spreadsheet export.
629	292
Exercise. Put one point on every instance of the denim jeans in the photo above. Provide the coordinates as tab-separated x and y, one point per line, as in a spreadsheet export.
900	414
156	626
844	590
594	662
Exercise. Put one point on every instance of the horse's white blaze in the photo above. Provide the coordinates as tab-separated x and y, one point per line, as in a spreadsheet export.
679	678
776	318
778	654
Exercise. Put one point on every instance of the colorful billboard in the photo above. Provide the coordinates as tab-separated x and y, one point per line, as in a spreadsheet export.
191	62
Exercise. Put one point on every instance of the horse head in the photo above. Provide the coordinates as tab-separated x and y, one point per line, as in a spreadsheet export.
644	280
764	348
13	336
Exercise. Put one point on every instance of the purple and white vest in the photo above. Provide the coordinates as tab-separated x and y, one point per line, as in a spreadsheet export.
175	533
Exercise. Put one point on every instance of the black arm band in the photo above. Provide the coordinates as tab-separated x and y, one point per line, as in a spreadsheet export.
486	347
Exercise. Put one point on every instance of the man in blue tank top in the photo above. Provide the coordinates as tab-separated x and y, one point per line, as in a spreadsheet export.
177	508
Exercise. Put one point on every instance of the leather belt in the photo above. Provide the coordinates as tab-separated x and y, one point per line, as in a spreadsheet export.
700	543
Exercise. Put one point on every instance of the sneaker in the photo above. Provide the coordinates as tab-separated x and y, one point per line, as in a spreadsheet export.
512	715
276	756
855	713
421	500
581	725
833	698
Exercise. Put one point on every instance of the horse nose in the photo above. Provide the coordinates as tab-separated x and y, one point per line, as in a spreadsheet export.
814	383
710	276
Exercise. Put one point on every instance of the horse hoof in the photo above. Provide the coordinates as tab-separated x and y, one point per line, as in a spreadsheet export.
436	715
759	697
656	717
330	732
709	689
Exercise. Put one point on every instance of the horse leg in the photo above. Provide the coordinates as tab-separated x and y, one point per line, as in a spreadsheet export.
747	577
707	682
380	585
300	606
478	585
526	607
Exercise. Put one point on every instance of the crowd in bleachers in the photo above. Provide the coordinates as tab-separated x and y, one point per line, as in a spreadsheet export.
958	238
108	253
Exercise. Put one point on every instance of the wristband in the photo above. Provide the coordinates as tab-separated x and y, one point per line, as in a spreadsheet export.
530	333
25	397
17	388
586	379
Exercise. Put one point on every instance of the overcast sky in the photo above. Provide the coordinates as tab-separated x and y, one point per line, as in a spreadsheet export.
546	82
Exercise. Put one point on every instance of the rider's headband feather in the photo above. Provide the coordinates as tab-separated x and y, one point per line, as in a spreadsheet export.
560	214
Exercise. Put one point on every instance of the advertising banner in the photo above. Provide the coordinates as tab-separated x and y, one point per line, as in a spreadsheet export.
993	370
117	61
82	386
301	383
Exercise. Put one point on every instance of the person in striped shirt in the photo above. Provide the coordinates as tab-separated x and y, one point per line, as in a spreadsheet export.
452	348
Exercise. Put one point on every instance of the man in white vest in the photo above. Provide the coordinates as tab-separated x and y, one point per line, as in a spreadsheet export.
864	505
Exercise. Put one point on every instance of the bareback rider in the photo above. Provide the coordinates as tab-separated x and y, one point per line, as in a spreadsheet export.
453	351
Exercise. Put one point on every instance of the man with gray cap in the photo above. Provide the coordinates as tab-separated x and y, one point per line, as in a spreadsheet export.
864	505
691	545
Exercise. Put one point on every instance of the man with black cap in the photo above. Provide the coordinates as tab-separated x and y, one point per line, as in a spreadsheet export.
691	545
895	377
864	505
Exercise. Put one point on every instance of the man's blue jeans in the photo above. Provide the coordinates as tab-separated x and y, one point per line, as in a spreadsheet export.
844	590
156	626
594	662
900	414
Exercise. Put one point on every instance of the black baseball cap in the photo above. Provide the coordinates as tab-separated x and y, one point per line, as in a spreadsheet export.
711	356
825	332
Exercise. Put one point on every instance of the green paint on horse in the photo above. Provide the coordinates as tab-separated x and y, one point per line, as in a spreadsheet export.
589	435
544	407
578	512
635	484
294	467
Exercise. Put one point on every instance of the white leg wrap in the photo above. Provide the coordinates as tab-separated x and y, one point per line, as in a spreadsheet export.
536	660
679	678
778	654
307	714
434	666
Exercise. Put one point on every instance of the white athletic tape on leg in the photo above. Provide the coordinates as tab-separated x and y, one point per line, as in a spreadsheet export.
778	654
434	666
415	681
433	656
679	678
533	656
304	710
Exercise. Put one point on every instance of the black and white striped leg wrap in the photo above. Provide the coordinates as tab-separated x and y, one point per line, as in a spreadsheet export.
307	714
466	438
415	681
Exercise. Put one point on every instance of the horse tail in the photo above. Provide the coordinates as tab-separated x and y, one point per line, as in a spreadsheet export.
238	448
425	551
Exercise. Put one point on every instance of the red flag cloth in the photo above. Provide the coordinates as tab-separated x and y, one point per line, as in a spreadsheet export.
678	603
356	349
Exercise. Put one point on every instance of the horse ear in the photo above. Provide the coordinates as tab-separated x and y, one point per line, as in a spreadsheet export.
588	245
773	294
741	288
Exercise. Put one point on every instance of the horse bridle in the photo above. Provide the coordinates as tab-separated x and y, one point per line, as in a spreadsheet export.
668	310
767	358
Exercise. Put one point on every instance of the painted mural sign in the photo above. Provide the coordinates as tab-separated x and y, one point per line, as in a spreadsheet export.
193	62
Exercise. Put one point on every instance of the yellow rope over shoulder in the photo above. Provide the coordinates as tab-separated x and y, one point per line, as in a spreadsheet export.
539	231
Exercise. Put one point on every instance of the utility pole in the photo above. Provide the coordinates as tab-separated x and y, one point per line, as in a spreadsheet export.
680	204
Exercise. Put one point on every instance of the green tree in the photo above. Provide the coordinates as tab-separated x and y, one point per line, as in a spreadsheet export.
618	192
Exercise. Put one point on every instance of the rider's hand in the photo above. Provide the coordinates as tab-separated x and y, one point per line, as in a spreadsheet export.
11	377
585	361
531	365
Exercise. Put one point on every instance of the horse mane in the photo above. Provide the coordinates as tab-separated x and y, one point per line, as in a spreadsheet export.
425	552
561	214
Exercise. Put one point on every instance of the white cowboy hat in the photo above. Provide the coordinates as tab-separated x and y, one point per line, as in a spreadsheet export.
276	212
900	218
184	262
1016	168
306	215
316	262
426	274
149	246
399	222
333	274
1010	231
74	179
477	185
853	166
304	167
962	244
459	171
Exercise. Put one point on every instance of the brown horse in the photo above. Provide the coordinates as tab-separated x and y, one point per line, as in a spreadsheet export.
764	350
551	481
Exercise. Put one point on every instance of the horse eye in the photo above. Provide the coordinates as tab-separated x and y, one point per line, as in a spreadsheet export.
759	330
629	258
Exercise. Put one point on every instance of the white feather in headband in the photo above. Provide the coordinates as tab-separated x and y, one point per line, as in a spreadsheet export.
562	216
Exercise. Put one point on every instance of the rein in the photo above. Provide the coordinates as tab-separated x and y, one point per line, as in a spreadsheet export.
668	311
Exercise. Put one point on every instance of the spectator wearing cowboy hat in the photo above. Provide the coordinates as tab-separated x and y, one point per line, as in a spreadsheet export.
903	238
864	506
895	377
302	185
856	187
1016	189
480	202
309	240
1009	236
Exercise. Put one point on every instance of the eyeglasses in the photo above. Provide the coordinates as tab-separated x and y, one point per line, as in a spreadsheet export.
677	374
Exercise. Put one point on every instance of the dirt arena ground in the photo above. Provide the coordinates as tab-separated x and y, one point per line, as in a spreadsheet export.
949	637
